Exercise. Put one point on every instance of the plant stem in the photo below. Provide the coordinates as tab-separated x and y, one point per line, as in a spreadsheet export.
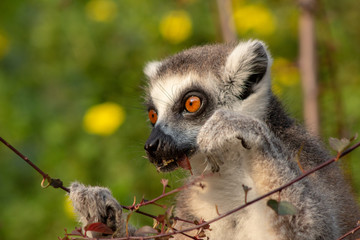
53	182
305	174
349	233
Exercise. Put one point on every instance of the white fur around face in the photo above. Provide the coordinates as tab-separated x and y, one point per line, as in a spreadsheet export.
225	191
164	92
151	68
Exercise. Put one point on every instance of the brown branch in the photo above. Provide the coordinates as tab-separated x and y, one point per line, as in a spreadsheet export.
226	20
308	64
56	183
350	232
305	174
164	194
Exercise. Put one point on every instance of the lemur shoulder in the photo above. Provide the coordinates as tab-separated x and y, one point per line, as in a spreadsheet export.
214	106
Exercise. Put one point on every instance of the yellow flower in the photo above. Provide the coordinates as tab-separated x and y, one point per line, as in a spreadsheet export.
276	88
254	18
103	119
4	45
69	209
285	72
176	26
101	10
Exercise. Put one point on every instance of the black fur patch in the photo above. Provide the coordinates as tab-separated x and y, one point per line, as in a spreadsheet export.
258	68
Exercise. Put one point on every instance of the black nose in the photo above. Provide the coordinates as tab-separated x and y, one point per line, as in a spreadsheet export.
159	144
152	145
154	142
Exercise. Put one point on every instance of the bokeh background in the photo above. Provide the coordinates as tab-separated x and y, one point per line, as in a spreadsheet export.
67	65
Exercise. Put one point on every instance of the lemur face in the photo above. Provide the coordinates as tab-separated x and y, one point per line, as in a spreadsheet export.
177	109
186	89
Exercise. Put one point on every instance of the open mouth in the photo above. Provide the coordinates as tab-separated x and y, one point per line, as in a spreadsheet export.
169	165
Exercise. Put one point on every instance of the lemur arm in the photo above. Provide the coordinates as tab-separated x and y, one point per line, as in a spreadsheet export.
271	164
96	204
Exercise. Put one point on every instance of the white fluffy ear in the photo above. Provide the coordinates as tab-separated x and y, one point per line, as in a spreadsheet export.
246	66
151	69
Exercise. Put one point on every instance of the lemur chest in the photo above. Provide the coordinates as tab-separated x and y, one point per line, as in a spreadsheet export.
220	195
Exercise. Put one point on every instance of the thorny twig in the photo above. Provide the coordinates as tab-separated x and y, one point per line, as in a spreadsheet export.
56	183
204	224
165	194
305	174
350	232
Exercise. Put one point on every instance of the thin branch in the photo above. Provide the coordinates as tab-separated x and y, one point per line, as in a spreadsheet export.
308	64
305	174
204	224
350	232
163	195
226	20
56	183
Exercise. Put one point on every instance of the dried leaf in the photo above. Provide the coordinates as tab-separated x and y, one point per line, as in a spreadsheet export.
339	145
354	137
217	210
282	208
99	227
206	226
76	232
169	212
127	223
185	163
246	188
201	234
145	230
160	218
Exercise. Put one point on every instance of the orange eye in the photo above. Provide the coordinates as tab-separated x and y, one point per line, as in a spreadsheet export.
193	104
153	116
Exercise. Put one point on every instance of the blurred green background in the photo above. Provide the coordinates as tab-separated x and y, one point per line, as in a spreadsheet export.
66	65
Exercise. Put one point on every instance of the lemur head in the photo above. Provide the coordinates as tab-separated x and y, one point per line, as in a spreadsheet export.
184	91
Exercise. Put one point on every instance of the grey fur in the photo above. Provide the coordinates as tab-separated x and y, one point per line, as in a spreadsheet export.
242	135
96	204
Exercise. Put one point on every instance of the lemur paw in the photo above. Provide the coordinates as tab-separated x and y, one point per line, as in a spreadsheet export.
96	204
224	130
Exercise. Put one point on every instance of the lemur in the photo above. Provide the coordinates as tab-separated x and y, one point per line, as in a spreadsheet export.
213	106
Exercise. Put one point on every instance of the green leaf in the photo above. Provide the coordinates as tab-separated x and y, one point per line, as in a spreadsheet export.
286	208
282	208
339	145
273	204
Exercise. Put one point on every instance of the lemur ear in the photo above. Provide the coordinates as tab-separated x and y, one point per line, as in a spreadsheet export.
151	69
246	66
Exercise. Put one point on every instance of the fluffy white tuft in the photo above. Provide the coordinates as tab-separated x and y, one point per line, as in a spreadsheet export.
151	69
